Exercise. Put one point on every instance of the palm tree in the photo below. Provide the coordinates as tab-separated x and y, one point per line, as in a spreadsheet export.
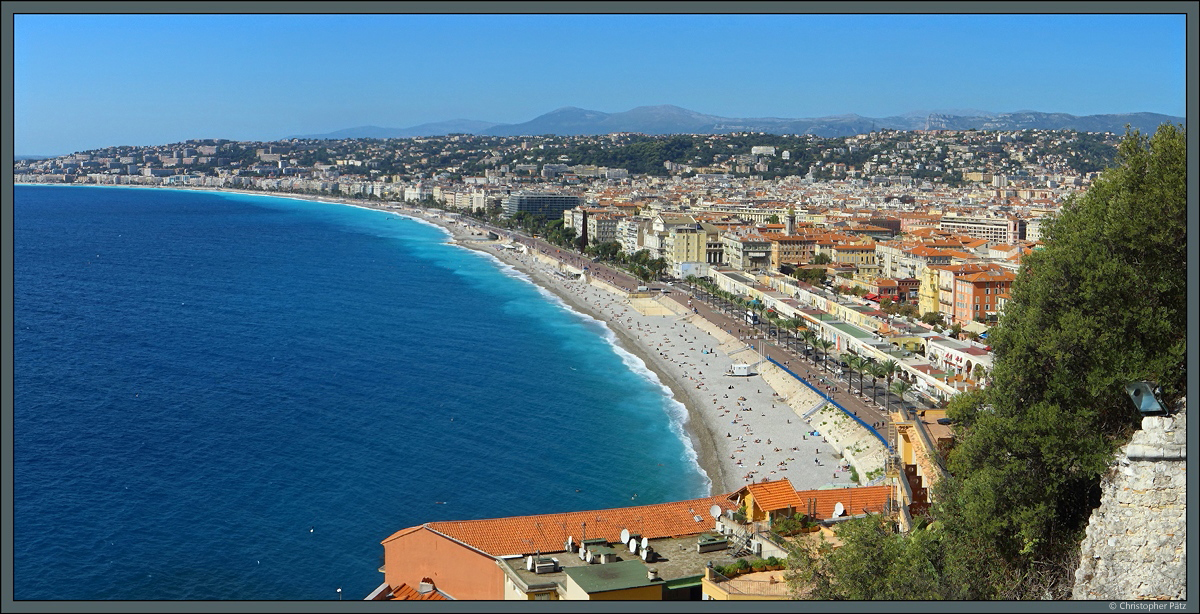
809	337
794	324
772	324
876	371
857	363
889	369
824	344
901	387
657	266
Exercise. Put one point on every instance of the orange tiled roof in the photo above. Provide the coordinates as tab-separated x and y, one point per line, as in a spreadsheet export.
858	500
405	592
989	276
927	252
854	247
771	496
962	255
549	532
402	533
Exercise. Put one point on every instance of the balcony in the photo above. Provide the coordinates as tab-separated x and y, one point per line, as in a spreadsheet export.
760	585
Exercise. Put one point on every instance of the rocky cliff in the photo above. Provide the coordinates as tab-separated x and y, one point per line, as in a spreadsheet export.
1135	548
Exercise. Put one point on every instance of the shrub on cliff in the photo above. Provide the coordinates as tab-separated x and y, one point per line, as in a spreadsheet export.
1104	303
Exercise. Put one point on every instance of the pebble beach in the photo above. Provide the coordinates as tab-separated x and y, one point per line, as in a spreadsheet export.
741	429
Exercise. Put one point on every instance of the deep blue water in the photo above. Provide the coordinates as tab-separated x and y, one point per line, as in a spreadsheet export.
202	378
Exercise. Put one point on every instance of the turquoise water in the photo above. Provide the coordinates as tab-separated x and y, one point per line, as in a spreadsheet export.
223	396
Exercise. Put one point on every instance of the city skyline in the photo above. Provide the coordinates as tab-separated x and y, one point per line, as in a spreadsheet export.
170	78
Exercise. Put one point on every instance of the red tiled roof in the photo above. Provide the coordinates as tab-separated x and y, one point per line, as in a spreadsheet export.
549	532
771	496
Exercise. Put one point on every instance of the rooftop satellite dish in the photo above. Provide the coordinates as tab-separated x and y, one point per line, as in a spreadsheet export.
715	511
633	546
646	554
625	536
529	563
645	543
570	543
591	558
838	509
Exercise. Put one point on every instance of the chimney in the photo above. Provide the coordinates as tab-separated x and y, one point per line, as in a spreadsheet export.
652	573
426	586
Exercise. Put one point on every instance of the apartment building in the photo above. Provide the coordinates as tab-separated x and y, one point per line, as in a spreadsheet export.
791	250
748	252
631	232
977	295
602	227
540	204
993	229
860	255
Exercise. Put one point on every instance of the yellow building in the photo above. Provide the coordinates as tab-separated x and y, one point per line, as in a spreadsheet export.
687	245
623	580
757	586
768	501
920	443
928	293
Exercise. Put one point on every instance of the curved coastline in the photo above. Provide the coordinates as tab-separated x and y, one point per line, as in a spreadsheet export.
699	442
720	458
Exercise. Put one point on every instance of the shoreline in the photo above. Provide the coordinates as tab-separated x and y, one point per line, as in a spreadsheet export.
701	439
708	400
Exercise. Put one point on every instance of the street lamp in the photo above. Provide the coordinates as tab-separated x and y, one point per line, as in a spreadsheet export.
1145	397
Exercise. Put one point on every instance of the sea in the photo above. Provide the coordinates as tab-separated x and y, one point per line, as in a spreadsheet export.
226	396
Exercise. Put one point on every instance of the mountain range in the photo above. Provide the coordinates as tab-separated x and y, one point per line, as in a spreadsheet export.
670	119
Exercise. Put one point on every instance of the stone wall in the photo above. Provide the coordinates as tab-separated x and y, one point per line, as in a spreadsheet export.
856	444
1134	547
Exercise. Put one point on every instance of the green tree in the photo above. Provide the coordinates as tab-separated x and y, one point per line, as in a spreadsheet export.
876	372
657	266
901	388
824	345
873	563
608	250
889	368
821	258
859	364
932	318
1103	304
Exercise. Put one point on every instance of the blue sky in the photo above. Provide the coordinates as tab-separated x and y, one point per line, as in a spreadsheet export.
89	81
